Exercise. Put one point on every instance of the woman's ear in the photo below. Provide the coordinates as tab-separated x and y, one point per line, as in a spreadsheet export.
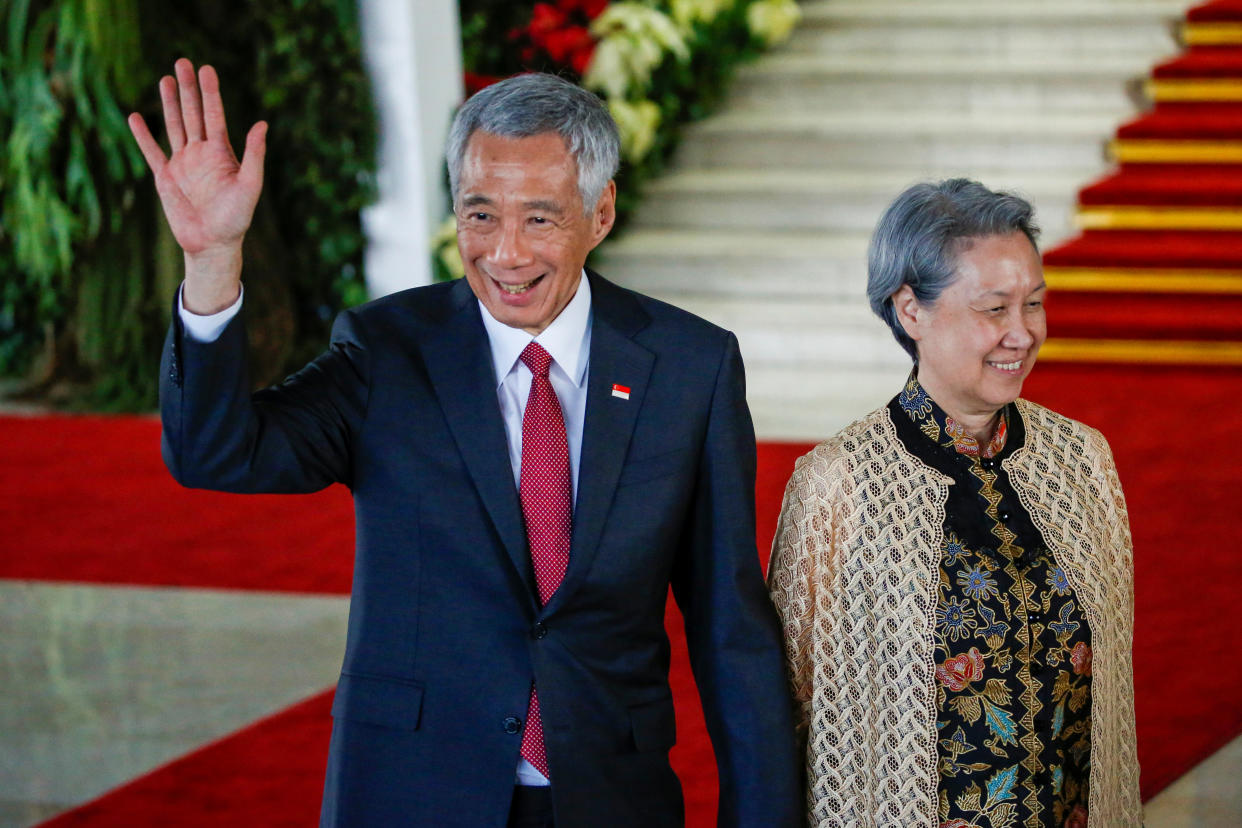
909	311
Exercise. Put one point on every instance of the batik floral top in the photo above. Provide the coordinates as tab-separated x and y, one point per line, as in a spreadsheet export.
1013	649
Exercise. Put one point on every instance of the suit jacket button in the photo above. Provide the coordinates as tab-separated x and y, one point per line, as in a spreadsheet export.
512	724
540	630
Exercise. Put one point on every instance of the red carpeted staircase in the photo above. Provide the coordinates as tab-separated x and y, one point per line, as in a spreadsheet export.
1156	274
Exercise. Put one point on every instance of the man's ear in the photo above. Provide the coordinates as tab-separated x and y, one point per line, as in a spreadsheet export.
604	216
909	311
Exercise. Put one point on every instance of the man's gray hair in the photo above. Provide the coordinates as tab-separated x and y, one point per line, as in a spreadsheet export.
536	104
923	231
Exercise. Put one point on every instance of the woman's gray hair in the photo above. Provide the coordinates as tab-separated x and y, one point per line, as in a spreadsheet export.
536	104
920	235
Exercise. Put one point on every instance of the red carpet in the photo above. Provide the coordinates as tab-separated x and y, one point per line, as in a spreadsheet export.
86	499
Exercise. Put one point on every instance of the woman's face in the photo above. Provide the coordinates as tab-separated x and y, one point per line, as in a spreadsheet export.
978	341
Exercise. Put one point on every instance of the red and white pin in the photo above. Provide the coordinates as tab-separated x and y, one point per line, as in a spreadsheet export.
622	391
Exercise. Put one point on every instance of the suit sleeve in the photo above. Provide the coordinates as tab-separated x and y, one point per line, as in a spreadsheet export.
292	437
731	627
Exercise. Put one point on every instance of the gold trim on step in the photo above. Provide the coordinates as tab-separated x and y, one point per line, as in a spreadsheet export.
1149	217
1194	89
1156	352
1211	34
1150	151
1124	280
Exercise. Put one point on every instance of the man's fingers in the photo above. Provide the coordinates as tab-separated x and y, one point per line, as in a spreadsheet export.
213	107
252	161
147	144
172	113
191	102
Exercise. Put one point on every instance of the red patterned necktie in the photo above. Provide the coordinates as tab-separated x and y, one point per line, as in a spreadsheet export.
546	490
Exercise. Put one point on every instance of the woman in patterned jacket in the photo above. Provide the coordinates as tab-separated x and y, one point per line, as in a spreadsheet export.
954	571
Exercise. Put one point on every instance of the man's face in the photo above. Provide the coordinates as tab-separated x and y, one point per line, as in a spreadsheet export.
521	230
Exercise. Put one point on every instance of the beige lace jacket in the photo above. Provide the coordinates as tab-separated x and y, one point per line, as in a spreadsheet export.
853	575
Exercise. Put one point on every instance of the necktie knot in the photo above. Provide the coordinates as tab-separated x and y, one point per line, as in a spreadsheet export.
537	359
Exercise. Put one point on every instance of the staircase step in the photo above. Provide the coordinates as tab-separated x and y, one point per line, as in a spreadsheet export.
825	200
1032	83
811	404
1176	185
803	331
1165	249
988	27
812	365
1202	62
744	266
983	142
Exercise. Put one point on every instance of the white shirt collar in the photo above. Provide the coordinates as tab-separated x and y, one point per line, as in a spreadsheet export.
564	338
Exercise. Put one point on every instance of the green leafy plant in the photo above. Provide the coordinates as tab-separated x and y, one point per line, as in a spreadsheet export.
89	269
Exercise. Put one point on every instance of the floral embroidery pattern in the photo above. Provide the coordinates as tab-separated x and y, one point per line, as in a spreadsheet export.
958	672
978	583
1080	657
957	619
1013	649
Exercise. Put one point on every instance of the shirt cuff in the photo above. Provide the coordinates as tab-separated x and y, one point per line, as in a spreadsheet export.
207	328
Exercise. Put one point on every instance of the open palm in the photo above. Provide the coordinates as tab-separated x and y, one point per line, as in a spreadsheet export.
207	194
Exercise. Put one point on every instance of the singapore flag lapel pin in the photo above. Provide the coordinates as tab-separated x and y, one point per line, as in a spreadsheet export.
622	391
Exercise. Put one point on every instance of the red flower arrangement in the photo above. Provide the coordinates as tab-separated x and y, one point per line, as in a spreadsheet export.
959	671
559	31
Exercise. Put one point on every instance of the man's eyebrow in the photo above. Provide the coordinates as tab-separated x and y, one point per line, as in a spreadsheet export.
544	205
474	200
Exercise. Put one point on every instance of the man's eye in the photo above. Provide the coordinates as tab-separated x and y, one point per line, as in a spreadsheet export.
479	216
539	220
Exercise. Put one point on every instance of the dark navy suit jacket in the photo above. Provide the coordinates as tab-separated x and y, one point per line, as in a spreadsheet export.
445	631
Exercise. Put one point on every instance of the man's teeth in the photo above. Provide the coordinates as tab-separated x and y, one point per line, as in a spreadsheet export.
516	289
1007	366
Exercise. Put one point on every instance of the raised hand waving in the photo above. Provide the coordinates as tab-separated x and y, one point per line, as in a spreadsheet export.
207	194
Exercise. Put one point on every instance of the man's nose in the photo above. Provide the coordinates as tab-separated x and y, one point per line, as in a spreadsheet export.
512	248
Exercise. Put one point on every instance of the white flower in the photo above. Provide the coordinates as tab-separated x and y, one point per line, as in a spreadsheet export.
637	122
772	20
632	41
689	12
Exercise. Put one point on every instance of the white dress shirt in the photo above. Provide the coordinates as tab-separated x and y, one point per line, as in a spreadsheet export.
567	339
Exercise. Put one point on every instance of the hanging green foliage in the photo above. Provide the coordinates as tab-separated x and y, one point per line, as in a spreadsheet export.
68	163
89	268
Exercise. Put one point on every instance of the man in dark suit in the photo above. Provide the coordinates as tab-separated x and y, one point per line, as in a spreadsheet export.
535	455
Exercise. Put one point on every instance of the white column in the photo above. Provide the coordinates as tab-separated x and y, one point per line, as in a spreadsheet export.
412	50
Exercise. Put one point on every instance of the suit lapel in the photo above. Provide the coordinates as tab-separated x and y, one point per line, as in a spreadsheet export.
459	363
609	425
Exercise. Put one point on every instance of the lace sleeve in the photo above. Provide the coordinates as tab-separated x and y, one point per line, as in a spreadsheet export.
797	571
